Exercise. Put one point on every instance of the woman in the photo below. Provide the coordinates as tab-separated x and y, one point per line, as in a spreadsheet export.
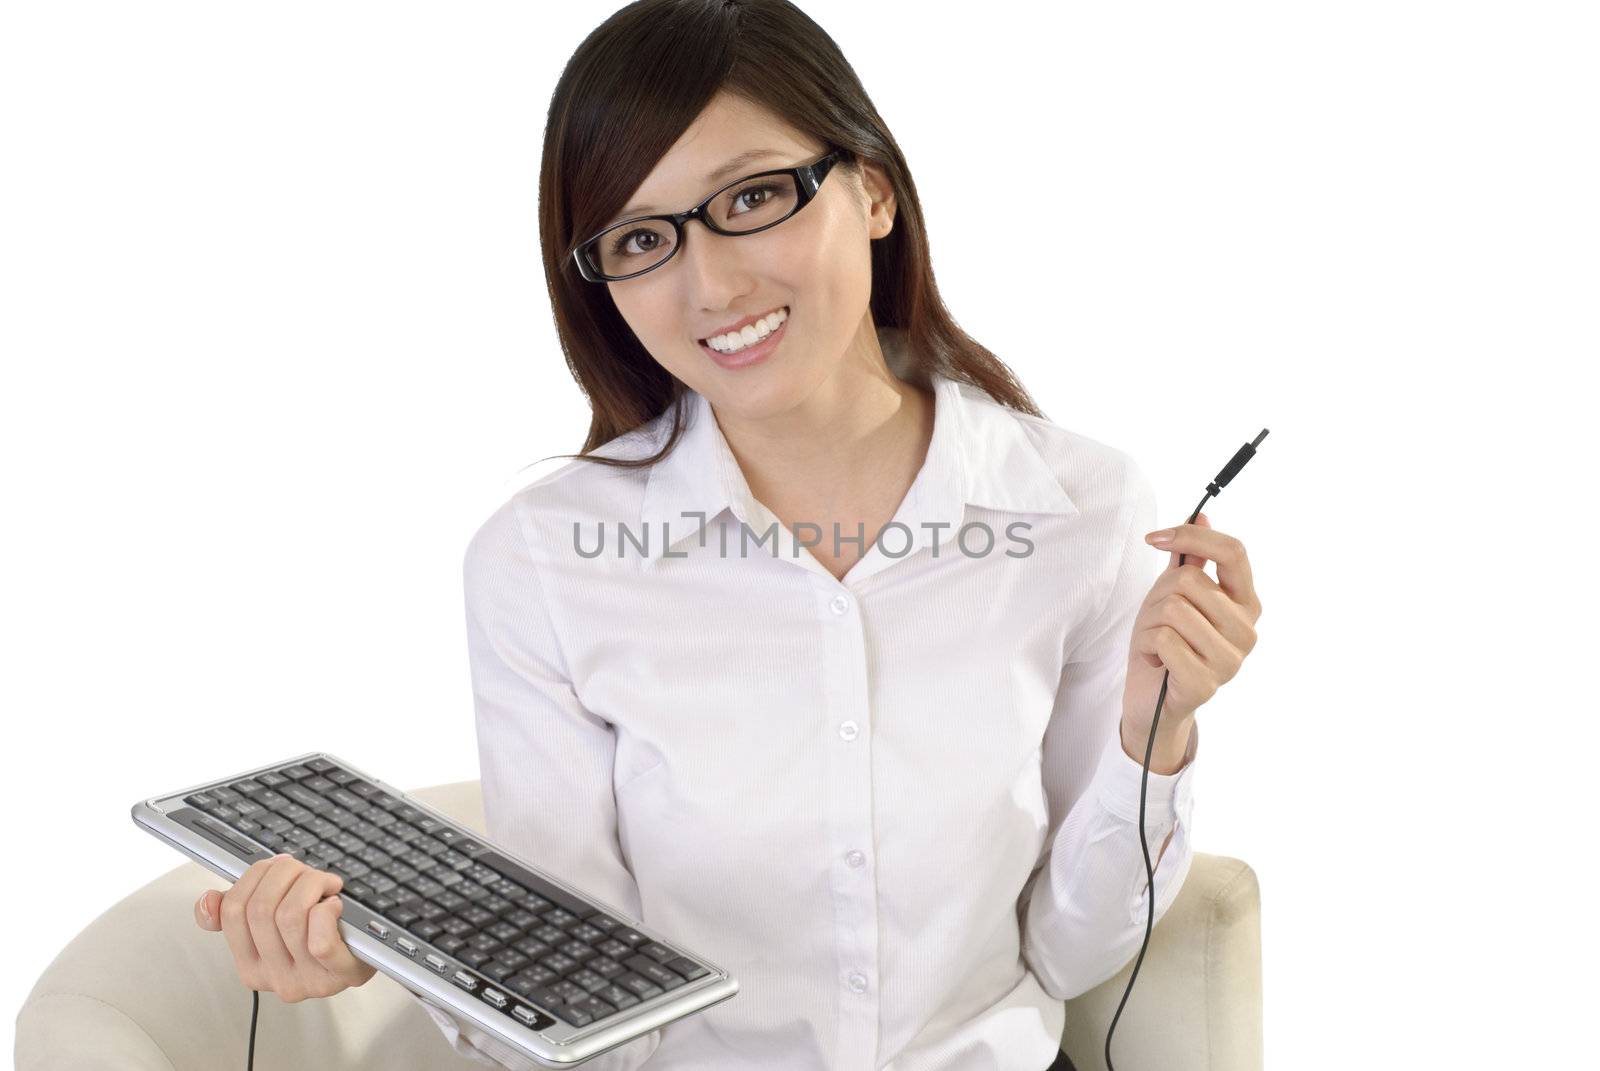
891	784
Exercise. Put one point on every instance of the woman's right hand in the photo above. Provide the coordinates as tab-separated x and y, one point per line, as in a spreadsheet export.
284	936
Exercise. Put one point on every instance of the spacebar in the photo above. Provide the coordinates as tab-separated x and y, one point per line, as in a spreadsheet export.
534	883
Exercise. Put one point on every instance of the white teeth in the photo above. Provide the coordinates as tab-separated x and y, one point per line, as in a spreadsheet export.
734	341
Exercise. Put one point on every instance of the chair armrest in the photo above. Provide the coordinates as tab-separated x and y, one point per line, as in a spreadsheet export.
1196	1005
142	988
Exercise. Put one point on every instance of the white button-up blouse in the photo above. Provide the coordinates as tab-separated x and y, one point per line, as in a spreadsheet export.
895	806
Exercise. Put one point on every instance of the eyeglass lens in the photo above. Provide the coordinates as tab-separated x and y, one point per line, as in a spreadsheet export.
746	206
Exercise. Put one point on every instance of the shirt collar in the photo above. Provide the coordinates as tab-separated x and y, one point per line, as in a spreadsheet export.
980	454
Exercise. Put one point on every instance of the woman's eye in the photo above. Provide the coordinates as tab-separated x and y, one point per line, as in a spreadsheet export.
618	246
769	190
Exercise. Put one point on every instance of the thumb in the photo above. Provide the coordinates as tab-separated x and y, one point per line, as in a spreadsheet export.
208	909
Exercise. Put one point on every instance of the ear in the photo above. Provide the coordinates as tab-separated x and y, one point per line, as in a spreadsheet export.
880	199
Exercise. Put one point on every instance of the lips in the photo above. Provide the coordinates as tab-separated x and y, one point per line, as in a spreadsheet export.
739	325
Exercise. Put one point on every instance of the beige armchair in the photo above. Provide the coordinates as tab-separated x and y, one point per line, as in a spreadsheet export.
144	989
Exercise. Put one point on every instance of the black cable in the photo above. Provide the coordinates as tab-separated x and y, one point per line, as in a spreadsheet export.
255	1007
1229	471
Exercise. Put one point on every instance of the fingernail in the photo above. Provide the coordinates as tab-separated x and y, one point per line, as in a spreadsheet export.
1161	539
205	912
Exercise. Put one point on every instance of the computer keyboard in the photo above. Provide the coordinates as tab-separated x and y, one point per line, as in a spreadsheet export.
446	912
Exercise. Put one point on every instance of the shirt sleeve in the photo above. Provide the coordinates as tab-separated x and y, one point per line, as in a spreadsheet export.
545	761
1085	908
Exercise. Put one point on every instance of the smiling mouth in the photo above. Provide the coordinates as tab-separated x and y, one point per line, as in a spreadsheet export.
784	309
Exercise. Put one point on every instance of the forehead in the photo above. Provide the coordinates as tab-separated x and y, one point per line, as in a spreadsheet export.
727	128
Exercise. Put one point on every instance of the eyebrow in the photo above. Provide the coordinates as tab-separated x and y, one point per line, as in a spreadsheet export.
748	157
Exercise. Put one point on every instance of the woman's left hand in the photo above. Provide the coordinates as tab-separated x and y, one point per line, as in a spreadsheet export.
1194	628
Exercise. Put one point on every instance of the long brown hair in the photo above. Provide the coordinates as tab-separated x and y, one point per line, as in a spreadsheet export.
628	93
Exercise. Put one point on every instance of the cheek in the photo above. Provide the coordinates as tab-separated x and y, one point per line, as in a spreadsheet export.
656	319
832	261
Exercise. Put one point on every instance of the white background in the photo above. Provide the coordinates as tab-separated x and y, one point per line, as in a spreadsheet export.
276	340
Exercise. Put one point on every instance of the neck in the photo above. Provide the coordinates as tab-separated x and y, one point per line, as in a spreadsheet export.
861	435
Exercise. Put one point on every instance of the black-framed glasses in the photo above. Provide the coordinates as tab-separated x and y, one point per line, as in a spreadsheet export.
744	206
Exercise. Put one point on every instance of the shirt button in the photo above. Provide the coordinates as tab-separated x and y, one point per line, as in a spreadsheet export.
849	730
839	604
858	982
855	859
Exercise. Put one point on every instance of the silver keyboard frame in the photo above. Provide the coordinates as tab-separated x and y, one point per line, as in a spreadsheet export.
557	1045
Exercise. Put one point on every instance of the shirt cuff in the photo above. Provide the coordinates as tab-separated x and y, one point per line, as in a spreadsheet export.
1168	796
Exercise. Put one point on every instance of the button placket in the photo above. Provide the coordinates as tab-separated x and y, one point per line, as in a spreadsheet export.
848	756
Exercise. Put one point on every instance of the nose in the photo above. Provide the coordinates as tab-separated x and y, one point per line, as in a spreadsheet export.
711	264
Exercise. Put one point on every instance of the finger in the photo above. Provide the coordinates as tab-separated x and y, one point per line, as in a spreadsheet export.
206	910
261	913
1218	614
1181	557
1233	565
328	945
309	887
1186	672
1220	655
232	913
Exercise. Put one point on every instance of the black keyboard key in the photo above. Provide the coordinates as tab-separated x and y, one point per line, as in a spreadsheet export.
569	991
308	799
642	988
555	961
535	884
296	772
654	971
321	766
617	997
588	980
688	968
498	969
605	967
509	962
592	1006
520	984
546	998
363	788
531	946
658	952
